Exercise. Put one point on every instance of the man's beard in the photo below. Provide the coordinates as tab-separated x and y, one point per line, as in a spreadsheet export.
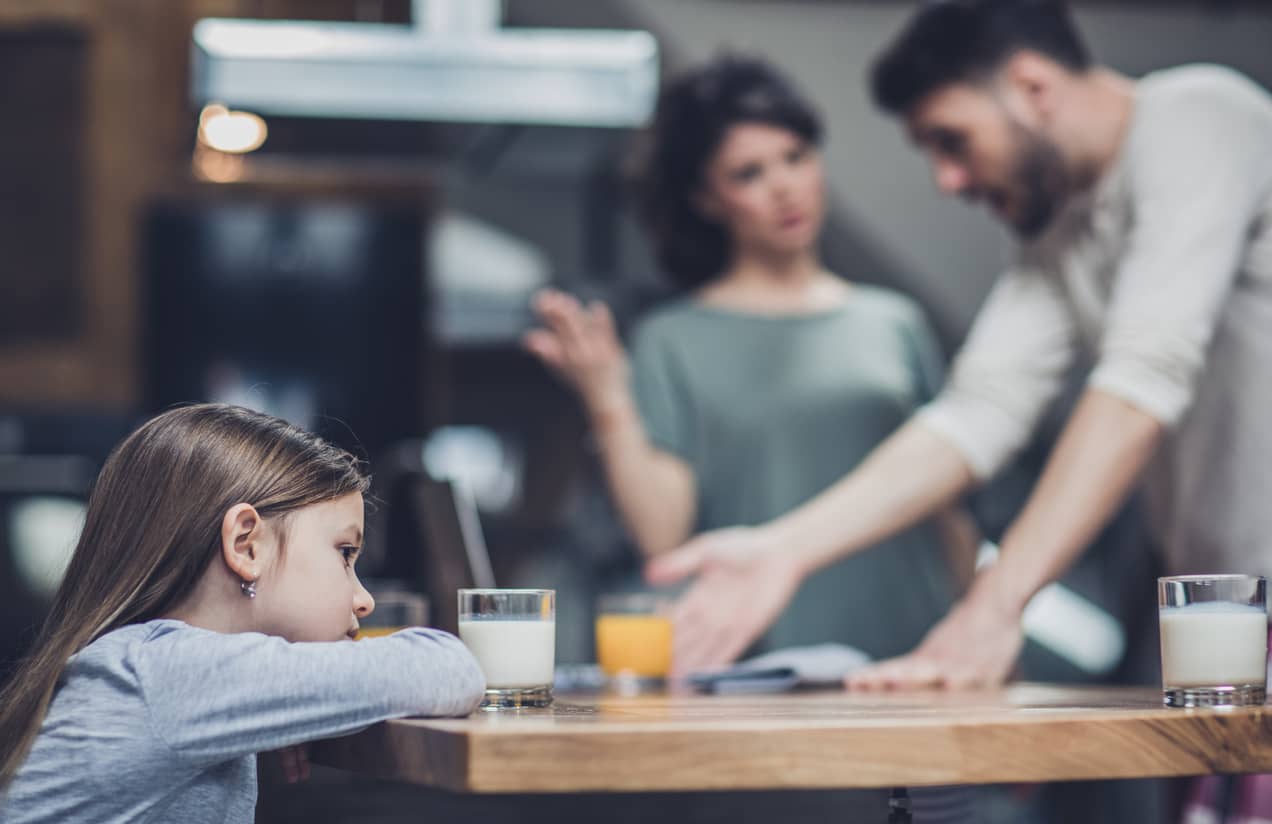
1041	183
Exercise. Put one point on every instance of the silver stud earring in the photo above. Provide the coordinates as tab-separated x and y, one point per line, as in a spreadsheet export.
248	588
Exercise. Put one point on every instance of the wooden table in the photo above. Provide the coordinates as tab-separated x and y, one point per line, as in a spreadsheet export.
651	743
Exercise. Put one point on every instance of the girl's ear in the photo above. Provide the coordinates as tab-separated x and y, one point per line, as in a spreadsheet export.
242	541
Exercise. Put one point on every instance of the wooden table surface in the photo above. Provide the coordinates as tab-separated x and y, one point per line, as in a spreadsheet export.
603	743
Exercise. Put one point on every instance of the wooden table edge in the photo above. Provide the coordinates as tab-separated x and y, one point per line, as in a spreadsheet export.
681	756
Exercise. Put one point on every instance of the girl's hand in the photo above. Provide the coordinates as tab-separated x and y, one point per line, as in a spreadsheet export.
581	345
295	762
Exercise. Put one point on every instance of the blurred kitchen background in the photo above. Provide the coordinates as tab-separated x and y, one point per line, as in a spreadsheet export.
191	208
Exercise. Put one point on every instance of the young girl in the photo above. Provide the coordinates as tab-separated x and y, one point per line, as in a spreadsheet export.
207	615
770	377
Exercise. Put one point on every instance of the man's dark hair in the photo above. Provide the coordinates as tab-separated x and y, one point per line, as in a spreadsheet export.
952	41
695	110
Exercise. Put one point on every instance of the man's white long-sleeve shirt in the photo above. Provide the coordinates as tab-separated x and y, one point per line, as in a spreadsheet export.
1163	278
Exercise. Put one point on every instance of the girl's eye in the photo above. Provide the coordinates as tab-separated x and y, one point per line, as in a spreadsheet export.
350	553
795	156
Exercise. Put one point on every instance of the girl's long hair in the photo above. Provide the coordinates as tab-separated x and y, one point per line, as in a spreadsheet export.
153	527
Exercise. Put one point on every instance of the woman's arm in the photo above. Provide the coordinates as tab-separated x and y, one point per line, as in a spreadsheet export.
654	490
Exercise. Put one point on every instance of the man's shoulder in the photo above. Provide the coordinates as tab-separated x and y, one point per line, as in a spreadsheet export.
1183	114
1207	85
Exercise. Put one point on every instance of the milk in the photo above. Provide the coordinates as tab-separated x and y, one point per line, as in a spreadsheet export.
1214	644
512	653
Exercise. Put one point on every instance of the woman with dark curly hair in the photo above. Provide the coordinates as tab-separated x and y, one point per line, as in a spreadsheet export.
770	377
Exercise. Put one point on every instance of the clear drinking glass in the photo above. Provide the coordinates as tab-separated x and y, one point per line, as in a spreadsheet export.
1214	631
394	610
512	633
633	636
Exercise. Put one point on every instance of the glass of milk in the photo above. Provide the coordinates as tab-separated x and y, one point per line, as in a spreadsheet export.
1214	632
512	633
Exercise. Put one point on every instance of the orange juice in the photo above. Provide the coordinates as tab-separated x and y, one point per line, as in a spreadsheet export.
377	632
637	645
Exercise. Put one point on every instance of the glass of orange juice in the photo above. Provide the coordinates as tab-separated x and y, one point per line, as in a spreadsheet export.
395	609
633	636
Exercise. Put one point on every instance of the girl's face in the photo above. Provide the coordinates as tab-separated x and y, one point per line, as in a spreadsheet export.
765	185
310	591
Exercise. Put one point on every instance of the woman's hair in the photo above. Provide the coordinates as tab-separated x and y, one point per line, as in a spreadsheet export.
153	527
695	110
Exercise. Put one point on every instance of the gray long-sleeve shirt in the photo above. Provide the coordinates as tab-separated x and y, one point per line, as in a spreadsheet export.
160	722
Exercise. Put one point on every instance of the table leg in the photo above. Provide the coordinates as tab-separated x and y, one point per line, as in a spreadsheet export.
899	807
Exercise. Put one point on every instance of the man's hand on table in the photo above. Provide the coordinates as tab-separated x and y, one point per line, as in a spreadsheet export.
976	645
743	582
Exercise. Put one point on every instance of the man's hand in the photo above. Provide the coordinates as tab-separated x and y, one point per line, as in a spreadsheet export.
976	645
744	581
1100	456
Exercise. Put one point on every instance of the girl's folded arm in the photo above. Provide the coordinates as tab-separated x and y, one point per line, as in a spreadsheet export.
214	696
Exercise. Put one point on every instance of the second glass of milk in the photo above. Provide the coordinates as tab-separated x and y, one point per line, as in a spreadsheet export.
1214	632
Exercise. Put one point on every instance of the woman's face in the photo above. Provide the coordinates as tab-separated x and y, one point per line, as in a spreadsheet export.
765	185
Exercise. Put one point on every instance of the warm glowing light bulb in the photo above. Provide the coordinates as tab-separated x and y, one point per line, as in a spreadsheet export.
230	131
